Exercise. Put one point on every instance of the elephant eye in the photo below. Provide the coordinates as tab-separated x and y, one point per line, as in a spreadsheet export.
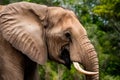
68	35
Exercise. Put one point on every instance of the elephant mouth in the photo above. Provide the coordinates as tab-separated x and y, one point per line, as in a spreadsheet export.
65	56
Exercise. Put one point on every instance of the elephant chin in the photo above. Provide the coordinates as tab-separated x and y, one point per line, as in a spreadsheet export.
79	69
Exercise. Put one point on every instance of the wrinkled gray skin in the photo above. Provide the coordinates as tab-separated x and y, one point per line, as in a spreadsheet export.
31	33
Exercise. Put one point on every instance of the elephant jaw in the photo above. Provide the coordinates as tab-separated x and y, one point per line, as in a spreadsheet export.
79	69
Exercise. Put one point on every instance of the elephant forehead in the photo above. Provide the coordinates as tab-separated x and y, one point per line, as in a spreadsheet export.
70	22
76	26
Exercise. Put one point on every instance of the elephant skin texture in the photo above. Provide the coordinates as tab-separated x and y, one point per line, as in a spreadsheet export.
31	33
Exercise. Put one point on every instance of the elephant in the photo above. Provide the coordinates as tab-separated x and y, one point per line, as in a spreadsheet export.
31	34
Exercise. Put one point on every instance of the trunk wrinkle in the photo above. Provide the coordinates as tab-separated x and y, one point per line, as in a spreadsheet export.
88	57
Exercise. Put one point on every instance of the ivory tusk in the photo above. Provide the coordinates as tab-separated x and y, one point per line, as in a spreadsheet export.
76	65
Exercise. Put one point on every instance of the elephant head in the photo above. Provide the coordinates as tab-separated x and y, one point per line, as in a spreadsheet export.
42	32
67	42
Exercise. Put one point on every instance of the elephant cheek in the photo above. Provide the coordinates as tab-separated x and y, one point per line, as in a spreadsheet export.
74	53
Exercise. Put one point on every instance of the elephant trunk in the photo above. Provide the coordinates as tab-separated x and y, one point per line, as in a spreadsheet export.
89	60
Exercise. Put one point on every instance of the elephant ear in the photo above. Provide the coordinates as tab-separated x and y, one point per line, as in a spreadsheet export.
22	27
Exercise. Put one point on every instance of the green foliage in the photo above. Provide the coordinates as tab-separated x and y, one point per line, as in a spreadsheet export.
101	18
108	11
108	8
4	2
109	77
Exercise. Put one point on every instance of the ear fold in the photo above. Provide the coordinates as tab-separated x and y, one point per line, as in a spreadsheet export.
23	29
